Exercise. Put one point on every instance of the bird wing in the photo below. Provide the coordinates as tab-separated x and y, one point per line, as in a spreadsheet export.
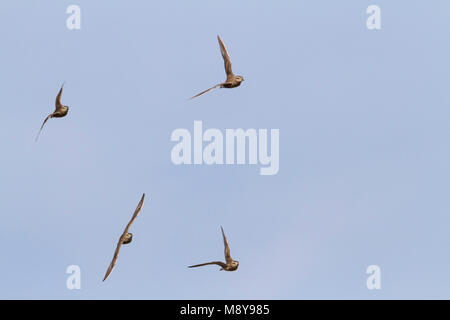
228	258
219	263
207	90
136	212
58	103
48	117
113	261
226	58
119	244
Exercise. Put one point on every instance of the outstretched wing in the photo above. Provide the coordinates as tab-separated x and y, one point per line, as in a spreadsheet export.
226	58
219	263
228	258
48	117
136	212
207	90
58	103
113	261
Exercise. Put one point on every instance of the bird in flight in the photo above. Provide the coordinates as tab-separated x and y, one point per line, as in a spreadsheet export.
232	80
229	265
125	238
60	110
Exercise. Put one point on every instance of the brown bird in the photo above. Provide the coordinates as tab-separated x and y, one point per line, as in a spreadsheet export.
125	238
229	265
60	110
232	80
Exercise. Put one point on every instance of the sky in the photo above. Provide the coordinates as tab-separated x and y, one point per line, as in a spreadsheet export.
363	118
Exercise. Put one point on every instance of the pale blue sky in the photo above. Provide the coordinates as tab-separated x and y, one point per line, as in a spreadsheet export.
364	149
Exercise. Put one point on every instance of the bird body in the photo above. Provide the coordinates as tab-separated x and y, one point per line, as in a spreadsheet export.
232	84
127	238
61	112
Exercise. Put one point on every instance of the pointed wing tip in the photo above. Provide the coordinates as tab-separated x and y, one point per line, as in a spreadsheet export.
37	136
106	274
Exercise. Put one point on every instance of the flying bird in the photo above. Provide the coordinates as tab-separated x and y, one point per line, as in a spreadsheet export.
229	265
232	80
60	110
125	238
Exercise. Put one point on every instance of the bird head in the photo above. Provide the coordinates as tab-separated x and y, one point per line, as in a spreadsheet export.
239	78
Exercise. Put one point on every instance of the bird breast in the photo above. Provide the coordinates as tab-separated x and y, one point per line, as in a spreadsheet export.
61	112
233	84
127	239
